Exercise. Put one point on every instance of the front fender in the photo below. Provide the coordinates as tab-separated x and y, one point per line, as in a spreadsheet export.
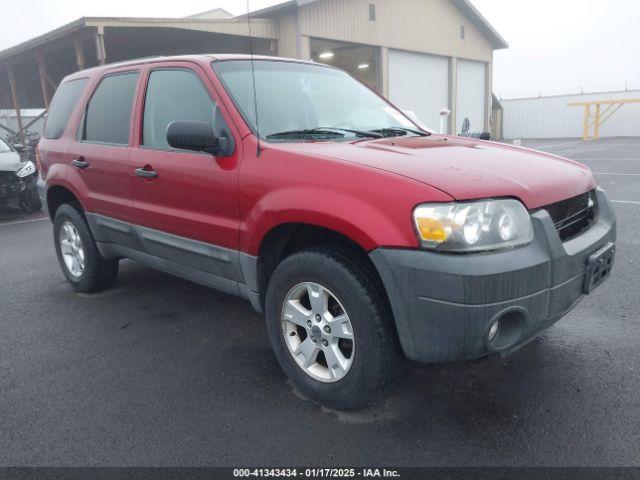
360	220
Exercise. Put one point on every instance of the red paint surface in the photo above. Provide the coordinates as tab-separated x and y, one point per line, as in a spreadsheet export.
365	190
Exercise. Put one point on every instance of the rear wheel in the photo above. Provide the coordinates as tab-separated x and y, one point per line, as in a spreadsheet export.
86	270
330	328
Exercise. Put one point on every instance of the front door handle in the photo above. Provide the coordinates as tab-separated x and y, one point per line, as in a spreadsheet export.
146	173
80	163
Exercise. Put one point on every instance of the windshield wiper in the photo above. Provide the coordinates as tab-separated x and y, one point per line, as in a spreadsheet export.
399	131
322	132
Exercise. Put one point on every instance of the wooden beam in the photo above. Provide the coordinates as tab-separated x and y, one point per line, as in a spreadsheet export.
586	127
16	101
101	53
8	129
42	72
604	102
52	83
600	116
596	132
77	47
34	120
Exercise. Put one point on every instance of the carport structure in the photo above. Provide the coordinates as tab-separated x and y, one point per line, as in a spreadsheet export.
31	71
424	55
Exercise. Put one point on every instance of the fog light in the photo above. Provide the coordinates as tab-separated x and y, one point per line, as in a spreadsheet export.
507	329
493	330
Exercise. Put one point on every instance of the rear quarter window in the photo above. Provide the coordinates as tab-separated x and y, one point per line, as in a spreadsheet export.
62	105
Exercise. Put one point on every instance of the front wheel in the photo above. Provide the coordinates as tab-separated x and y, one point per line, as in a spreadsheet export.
86	270
330	328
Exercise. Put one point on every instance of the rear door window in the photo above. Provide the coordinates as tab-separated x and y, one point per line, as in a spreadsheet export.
108	115
62	105
174	95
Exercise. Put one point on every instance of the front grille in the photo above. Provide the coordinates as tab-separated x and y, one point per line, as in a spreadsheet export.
575	215
8	178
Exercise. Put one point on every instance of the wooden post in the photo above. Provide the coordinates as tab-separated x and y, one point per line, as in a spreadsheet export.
383	72
453	95
488	95
77	46
42	72
101	53
596	131
52	83
585	129
16	101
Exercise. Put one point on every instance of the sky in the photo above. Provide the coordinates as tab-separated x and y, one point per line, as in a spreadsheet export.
556	46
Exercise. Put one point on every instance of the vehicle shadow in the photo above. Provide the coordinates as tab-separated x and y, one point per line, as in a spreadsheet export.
13	214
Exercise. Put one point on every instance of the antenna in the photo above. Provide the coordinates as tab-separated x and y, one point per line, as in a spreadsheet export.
253	79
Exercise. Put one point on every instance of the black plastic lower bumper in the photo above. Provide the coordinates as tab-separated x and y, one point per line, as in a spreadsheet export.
444	305
12	192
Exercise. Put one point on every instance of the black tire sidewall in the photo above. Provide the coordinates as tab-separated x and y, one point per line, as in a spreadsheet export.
364	377
98	272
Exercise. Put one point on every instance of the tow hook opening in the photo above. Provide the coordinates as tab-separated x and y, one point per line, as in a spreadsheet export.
506	329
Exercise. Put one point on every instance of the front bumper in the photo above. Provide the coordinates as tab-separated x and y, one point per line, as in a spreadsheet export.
444	304
12	192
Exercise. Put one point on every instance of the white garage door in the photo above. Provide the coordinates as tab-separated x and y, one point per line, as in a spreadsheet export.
419	83
471	91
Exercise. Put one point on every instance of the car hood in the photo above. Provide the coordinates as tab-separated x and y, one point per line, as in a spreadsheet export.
9	162
465	168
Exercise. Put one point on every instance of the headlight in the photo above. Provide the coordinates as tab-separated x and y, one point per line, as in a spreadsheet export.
27	170
473	226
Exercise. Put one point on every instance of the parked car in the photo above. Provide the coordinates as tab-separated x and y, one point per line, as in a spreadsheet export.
18	179
466	131
360	236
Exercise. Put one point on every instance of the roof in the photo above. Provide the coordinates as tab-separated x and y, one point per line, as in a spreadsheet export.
631	92
215	14
481	23
207	57
259	29
232	26
465	6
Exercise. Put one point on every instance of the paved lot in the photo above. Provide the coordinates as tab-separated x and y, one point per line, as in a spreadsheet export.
160	371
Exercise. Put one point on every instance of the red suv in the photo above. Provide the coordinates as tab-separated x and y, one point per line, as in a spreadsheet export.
360	235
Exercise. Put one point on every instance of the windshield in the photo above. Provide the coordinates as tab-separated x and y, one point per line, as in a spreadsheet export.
4	148
297	101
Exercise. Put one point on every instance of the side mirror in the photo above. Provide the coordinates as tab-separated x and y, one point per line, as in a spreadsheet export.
195	136
19	148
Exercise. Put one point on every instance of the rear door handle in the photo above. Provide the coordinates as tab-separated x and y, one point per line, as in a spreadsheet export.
145	173
80	163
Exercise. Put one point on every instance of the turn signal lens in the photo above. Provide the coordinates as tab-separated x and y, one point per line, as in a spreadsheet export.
431	229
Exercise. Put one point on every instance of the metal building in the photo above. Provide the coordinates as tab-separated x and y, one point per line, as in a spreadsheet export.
425	55
553	117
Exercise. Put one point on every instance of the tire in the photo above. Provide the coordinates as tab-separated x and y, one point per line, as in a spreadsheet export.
31	202
374	349
97	273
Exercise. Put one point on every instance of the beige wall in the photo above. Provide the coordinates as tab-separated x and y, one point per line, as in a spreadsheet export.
425	26
288	35
429	26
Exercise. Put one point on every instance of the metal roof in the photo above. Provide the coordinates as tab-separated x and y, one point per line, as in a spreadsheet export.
465	6
481	23
259	29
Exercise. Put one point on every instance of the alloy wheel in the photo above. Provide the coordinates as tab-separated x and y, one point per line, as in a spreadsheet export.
72	249
318	332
